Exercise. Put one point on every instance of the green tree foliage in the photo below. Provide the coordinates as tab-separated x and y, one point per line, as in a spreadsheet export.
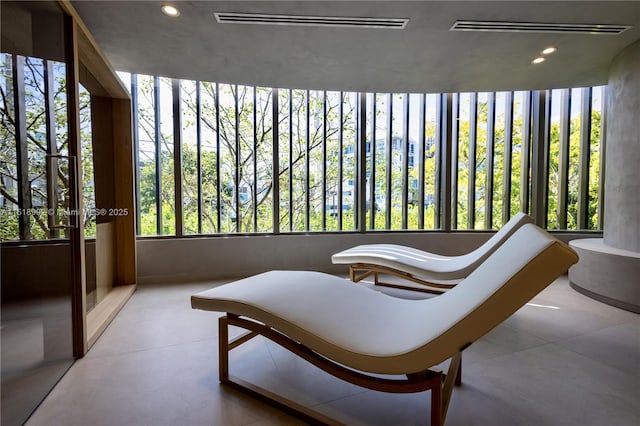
482	197
573	174
305	145
237	208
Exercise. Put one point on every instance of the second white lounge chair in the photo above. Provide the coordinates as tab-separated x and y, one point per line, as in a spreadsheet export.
435	273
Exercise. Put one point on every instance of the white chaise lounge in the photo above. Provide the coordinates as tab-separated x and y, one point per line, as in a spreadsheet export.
435	273
352	331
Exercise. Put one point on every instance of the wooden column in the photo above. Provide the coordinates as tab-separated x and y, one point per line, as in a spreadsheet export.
75	203
124	190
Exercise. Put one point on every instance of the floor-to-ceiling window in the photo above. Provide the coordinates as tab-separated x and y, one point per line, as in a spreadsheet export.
243	147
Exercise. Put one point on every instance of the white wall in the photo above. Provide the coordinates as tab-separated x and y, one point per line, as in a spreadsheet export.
208	258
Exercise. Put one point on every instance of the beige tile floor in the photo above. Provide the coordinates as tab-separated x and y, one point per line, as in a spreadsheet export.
563	360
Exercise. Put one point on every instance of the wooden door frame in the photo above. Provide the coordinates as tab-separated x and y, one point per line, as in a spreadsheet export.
84	59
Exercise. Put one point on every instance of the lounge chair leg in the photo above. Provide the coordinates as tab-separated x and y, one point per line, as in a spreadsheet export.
223	349
458	381
357	278
450	380
436	401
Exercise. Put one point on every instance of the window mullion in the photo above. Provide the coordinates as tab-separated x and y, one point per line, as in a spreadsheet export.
275	163
340	158
307	191
389	160
603	152
177	155
199	154
471	184
254	194
585	148
373	149
405	163
539	178
491	123
218	188
52	148
158	146
422	151
324	161
290	160
236	175
543	170
508	147
136	147
361	158
441	162
454	122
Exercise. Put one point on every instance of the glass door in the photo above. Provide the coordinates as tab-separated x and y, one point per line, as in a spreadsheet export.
39	216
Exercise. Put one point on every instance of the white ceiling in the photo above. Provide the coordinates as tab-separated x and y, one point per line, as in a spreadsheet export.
424	57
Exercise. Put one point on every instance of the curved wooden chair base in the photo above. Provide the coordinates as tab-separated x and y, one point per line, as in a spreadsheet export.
367	270
440	384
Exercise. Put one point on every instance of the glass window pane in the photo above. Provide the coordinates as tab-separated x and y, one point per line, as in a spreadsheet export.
333	158
245	159
88	181
316	139
397	161
264	152
595	156
165	145
35	112
227	157
349	126
480	184
189	156
516	156
209	158
379	158
498	161
8	170
147	156
430	160
463	161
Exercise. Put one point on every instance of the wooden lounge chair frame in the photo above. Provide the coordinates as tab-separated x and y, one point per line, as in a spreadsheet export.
367	270
441	384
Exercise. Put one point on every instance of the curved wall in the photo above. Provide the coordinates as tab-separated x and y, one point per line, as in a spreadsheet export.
622	183
609	268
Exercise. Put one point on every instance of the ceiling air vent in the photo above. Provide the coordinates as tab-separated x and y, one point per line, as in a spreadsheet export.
314	21
537	27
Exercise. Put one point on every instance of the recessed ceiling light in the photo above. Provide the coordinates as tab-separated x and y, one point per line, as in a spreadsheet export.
538	60
169	10
549	50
